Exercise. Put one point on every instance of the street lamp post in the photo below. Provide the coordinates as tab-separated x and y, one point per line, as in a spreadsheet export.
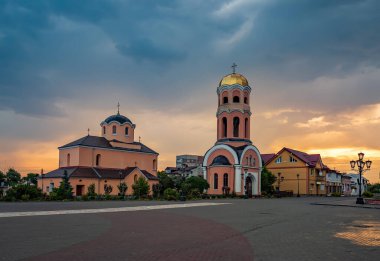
360	165
120	188
298	181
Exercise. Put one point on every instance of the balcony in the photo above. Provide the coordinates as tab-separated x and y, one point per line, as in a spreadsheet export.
320	178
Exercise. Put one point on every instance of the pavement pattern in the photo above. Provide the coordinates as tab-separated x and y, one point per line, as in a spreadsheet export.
254	229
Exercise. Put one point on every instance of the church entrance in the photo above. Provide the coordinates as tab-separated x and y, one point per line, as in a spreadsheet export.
79	190
248	187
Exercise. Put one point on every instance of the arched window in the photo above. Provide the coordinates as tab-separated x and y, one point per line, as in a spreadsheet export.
250	160
126	131
104	130
236	99
254	162
236	126
135	178
225	180
97	160
245	100
225	100
224	123
215	181
154	164
68	159
246	127
114	129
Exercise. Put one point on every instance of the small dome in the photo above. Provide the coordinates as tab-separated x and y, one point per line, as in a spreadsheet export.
234	78
220	160
118	118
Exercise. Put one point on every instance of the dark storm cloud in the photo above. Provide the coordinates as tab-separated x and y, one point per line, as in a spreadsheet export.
54	50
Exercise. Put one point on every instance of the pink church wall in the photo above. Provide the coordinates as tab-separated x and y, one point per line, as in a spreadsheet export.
220	170
86	157
99	183
230	116
255	159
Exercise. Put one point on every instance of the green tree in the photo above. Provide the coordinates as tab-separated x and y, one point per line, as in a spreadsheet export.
194	182
123	187
171	194
107	189
374	188
91	190
165	181
13	177
2	177
141	187
65	190
23	192
267	180
157	188
31	178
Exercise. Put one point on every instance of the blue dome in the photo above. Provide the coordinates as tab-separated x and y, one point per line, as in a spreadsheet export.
118	118
220	160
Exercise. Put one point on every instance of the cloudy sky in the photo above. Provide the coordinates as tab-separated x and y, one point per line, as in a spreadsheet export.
314	67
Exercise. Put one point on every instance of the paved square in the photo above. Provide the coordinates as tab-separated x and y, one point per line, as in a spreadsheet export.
258	229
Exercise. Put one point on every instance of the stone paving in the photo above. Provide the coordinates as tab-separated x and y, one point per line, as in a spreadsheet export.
255	229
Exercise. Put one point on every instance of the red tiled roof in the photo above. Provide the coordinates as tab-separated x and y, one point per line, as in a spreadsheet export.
267	157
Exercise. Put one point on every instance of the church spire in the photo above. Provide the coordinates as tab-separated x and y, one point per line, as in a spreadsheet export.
118	108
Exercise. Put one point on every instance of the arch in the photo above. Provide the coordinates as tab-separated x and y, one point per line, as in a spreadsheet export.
217	147
97	160
245	100
246	128
236	123
236	99
114	129
221	161
225	100
104	130
215	181
126	131
225	180
68	159
252	147
224	127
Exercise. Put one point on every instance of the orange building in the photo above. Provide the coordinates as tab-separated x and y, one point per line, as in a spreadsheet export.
297	171
111	158
233	164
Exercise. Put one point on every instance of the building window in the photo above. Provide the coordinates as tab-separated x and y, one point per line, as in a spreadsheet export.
135	178
236	126
236	99
225	100
215	181
254	162
225	180
245	100
292	159
51	187
247	161
279	160
126	131
154	164
114	130
68	159
97	160
104	130
224	123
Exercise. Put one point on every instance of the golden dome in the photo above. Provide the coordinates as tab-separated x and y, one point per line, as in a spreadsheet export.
234	78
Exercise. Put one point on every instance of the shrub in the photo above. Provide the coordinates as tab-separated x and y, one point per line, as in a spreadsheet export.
194	194
64	191
91	190
367	194
107	189
336	194
171	194
122	187
141	188
23	192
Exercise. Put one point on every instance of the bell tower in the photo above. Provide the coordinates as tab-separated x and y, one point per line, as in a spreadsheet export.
234	113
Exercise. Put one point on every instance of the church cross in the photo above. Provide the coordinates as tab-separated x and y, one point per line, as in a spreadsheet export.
234	65
118	108
139	138
88	132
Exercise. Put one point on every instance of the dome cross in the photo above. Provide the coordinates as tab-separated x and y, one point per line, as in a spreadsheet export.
118	108
234	65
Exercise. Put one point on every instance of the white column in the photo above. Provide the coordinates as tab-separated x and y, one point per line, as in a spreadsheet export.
259	175
237	178
204	169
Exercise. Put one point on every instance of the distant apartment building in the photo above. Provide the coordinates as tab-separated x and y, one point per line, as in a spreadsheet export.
184	161
186	166
296	169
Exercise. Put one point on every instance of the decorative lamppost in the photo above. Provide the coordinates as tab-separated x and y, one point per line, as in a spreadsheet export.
360	163
298	181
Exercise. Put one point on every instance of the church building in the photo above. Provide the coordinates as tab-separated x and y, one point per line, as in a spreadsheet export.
233	164
108	159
